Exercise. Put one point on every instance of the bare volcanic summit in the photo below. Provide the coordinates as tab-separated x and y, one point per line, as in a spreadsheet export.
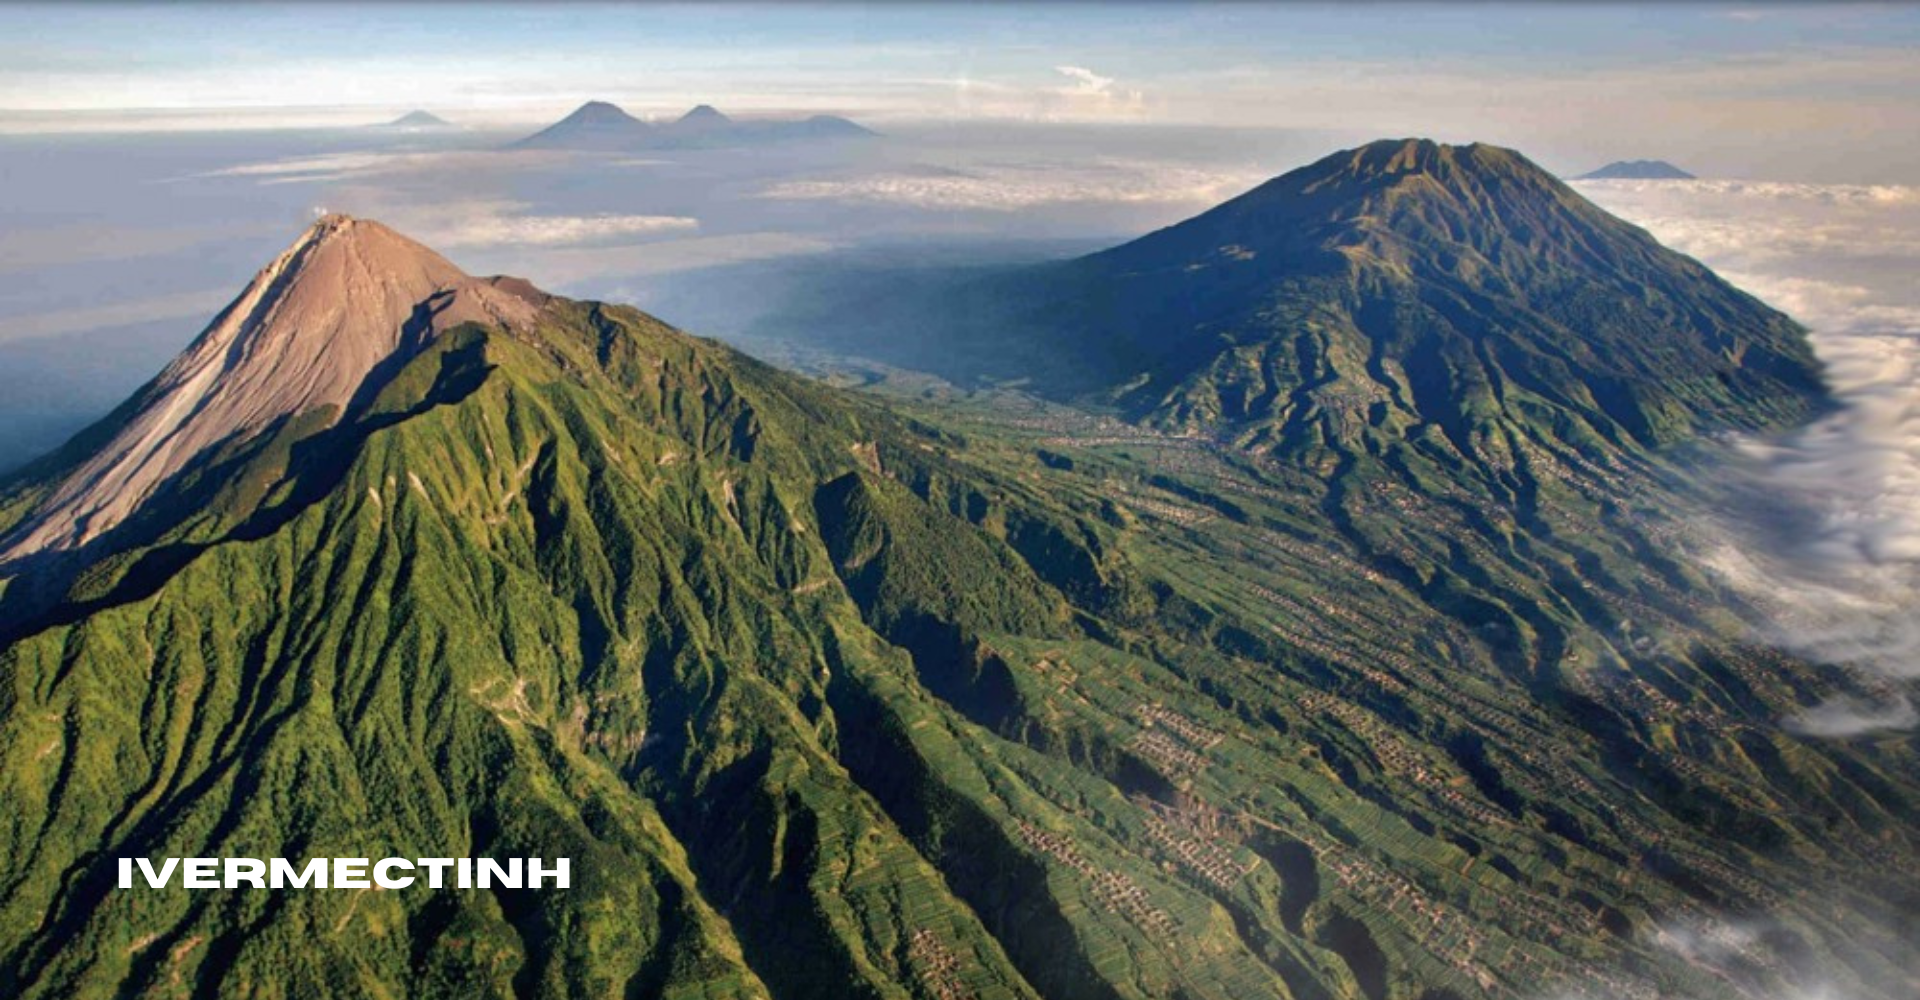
312	332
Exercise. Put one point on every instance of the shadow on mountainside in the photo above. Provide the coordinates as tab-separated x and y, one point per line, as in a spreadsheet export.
125	565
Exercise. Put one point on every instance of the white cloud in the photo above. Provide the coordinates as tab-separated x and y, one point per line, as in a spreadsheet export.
502	228
1841	717
1085	96
1839	258
1013	187
561	268
331	167
506	224
1087	82
1713	943
1092	95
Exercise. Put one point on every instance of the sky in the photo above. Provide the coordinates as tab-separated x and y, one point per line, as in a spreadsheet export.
1777	88
153	157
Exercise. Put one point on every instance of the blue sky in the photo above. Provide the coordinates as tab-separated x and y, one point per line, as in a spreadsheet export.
1182	62
1781	88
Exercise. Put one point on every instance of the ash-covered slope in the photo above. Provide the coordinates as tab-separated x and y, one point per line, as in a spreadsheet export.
306	337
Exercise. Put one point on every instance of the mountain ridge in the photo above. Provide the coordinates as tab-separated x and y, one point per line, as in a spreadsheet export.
598	126
347	299
1342	284
832	697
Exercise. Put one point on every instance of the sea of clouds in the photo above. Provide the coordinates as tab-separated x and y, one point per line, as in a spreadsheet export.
1842	584
1016	186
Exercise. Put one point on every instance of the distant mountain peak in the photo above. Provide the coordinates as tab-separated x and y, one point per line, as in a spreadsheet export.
308	333
1637	170
600	113
701	122
601	127
835	126
705	113
595	125
419	120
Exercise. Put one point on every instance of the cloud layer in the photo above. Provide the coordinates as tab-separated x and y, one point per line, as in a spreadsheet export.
320	168
1844	581
505	223
1011	187
1843	717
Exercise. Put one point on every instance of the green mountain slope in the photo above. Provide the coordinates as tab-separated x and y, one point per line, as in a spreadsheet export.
829	700
1451	285
1404	287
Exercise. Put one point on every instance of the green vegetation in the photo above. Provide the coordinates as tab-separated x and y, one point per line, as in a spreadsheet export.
1456	297
830	697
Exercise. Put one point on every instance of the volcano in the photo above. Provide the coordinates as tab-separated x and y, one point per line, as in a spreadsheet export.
348	299
595	126
825	696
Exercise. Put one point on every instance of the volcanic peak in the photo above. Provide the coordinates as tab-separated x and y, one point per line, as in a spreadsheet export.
309	333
